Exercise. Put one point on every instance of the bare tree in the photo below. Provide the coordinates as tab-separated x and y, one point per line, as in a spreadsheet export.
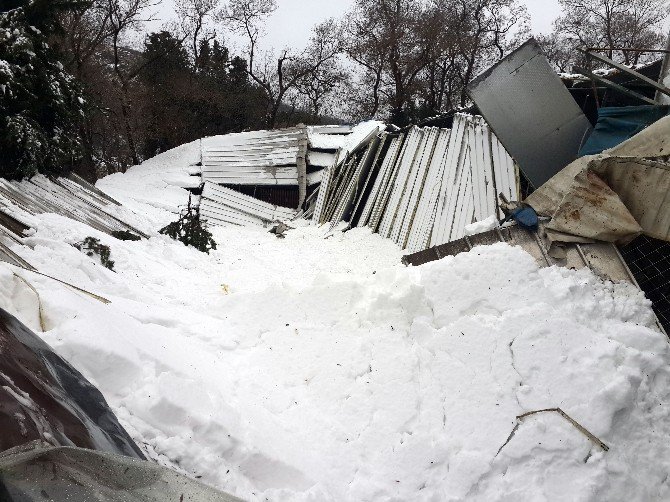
483	33
612	25
388	39
427	50
319	85
85	31
277	76
194	17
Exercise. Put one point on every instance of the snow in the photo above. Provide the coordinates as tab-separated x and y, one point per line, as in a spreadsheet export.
478	227
320	369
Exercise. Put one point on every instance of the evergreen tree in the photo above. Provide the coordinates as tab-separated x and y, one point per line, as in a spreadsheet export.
40	104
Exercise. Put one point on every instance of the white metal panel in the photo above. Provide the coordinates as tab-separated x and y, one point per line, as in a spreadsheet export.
384	190
399	182
362	168
321	159
422	225
372	171
380	181
443	217
415	186
253	158
232	200
217	214
323	191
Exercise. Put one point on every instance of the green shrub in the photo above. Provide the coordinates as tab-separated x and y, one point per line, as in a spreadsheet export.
189	230
125	235
92	247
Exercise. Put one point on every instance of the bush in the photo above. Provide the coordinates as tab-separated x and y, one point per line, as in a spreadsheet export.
125	235
92	247
189	230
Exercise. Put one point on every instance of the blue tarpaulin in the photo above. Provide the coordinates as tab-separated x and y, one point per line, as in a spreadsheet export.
617	124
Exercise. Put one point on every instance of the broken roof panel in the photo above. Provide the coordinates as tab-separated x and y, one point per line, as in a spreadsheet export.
220	205
73	199
254	158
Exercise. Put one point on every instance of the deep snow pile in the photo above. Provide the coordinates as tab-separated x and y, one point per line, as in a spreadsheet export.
322	370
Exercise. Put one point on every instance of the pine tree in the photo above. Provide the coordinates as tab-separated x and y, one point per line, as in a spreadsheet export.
40	104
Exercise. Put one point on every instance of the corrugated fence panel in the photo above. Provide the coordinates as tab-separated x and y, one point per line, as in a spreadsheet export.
41	195
422	225
430	184
223	205
399	181
384	189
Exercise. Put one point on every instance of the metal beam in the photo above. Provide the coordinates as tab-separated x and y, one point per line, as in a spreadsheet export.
625	69
613	85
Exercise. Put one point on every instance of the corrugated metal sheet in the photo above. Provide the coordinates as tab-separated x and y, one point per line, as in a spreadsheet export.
377	198
532	112
254	158
477	169
277	160
72	198
427	185
220	205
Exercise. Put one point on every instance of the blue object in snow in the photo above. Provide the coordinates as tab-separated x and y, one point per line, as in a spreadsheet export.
616	124
526	217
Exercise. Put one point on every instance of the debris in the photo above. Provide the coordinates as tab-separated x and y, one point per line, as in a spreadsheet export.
280	229
421	187
576	424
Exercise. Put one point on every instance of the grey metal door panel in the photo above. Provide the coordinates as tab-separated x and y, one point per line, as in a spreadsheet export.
531	112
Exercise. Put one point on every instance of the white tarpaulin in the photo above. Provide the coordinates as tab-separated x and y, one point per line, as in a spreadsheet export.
613	196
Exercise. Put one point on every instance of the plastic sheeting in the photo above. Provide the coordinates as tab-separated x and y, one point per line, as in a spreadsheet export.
617	124
39	472
42	397
613	196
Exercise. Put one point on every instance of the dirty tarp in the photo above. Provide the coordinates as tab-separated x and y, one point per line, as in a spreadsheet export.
617	124
40	472
613	196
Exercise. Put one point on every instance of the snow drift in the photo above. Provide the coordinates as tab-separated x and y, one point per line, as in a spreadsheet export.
312	369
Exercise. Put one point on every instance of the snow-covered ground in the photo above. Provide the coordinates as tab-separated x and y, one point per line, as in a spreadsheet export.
313	369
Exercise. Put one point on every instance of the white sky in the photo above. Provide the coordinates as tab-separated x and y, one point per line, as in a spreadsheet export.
291	24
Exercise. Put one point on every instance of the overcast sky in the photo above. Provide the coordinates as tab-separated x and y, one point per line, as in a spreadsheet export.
292	22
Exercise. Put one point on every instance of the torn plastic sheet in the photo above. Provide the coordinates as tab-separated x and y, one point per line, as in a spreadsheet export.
616	195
